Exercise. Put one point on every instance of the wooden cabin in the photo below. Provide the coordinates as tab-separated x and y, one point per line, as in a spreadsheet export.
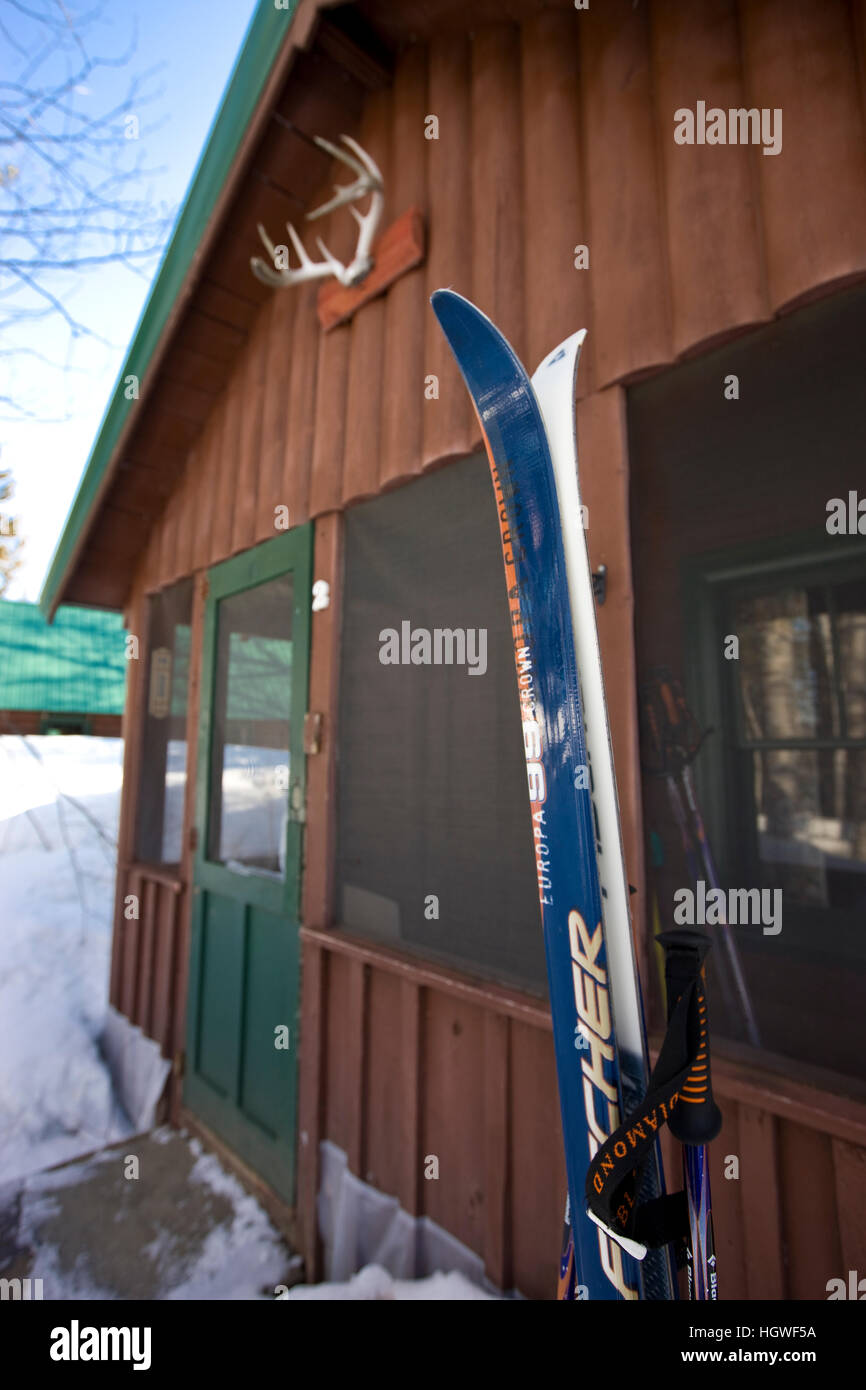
266	495
67	678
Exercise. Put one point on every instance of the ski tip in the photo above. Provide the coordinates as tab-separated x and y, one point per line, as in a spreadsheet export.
484	355
567	352
459	317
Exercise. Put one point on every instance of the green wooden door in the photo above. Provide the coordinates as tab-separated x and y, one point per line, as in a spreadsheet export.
242	1010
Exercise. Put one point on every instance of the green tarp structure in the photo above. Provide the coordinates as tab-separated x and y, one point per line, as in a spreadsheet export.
78	664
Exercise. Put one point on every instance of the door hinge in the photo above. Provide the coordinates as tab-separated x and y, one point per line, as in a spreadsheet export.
313	722
205	587
179	1065
193	837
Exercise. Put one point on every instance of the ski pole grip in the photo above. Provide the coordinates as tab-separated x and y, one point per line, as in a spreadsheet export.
696	1119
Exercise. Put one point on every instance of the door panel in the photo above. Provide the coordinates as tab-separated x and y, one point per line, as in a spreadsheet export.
244	964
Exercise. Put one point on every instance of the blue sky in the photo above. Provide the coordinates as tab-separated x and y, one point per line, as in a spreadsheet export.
194	43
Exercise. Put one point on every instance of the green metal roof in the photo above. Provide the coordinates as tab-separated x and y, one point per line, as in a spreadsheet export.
264	39
78	664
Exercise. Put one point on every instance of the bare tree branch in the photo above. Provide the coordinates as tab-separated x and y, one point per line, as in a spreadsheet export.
74	183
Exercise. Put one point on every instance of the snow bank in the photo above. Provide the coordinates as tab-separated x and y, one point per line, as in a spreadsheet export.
373	1282
57	862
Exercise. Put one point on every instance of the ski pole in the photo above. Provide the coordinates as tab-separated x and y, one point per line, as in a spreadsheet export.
673	739
681	819
713	877
696	1118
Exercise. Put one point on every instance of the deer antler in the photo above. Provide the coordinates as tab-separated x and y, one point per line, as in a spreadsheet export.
368	180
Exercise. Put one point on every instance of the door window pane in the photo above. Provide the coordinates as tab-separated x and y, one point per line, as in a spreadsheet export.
159	827
249	796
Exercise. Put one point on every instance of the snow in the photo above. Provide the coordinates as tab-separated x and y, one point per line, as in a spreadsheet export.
59	804
214	1251
56	1098
373	1282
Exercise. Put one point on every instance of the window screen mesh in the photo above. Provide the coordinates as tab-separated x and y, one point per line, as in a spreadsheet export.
432	786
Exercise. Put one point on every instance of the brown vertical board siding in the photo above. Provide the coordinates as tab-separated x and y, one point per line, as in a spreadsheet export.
322	481
497	1245
367	331
205	475
185	521
728	1223
604	484
251	370
339	232
410	1081
497	181
811	1213
759	1175
131	940
131	732
536	1196
448	423
799	56
849	1165
557	295
858	25
279	312
714	240
126	948
356	1039
314	1002
402	376
301	414
628	273
226	480
339	1065
167	531
452	1123
163	1002
383	1154
144	966
318	884
326	468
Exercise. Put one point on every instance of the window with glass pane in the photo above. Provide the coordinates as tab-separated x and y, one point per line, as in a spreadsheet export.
802	726
785	778
249	781
162	787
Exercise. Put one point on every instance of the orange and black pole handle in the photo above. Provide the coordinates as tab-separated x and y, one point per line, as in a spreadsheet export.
696	1119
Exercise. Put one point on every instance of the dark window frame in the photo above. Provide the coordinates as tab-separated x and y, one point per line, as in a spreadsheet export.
711	582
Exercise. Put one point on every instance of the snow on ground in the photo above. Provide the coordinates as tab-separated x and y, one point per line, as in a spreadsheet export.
183	1230
57	864
373	1282
59	803
238	1260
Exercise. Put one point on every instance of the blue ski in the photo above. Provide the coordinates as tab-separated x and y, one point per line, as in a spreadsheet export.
594	1078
